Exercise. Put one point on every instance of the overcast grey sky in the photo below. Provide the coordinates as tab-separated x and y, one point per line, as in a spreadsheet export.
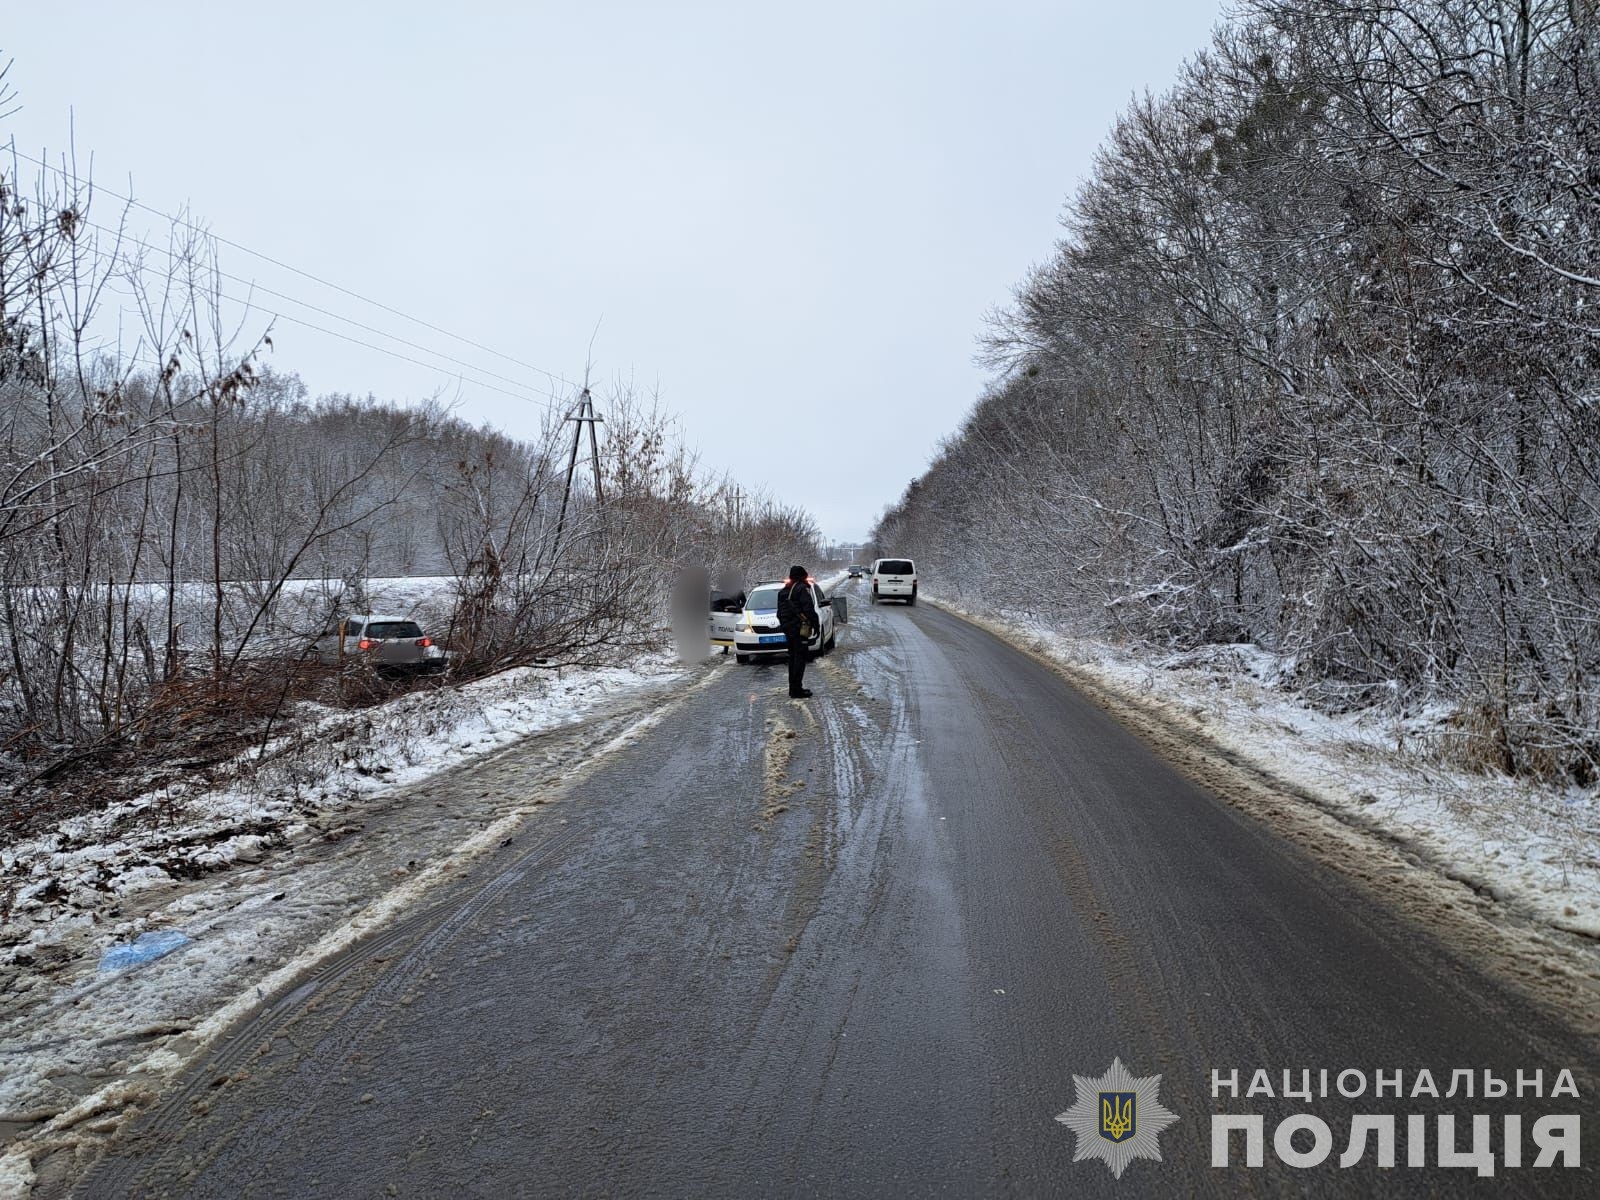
790	218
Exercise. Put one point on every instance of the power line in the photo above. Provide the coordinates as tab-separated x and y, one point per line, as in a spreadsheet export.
159	365
392	353
550	400
134	358
250	283
287	267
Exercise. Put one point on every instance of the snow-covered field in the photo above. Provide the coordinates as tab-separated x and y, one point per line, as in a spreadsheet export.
1534	848
234	882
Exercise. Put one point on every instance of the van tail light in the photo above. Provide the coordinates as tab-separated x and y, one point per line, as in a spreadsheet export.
424	642
366	644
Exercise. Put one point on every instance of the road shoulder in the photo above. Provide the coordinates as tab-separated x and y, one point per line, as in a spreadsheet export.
1556	968
89	1051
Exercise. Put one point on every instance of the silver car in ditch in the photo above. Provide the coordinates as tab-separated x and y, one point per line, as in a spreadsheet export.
390	644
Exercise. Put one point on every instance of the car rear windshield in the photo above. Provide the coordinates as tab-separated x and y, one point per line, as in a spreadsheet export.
394	629
763	598
896	566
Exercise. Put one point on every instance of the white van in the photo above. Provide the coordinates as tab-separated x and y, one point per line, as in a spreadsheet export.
894	579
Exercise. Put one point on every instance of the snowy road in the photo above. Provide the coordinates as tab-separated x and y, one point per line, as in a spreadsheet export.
859	946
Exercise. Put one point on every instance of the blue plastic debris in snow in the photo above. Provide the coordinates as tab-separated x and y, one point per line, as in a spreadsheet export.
142	949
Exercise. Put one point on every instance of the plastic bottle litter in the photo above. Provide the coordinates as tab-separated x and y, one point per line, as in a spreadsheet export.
143	949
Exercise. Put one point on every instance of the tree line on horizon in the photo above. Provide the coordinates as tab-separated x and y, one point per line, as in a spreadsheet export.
178	521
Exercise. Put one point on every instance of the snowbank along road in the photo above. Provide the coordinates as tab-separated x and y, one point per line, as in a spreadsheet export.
862	945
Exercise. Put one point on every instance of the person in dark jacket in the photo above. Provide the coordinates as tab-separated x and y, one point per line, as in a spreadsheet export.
796	608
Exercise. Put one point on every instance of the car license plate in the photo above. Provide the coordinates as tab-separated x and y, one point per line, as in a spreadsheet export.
768	638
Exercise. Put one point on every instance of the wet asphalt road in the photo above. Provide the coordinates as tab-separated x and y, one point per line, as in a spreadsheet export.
689	976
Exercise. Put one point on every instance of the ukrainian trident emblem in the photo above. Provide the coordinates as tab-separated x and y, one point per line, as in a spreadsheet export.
1117	1111
1116	1117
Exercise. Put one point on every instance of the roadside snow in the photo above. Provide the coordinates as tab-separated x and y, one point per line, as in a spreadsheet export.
233	881
1535	848
342	756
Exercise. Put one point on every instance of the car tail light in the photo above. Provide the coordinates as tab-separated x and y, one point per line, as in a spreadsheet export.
424	642
366	644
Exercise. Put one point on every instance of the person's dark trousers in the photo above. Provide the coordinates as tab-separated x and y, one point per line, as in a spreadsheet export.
797	662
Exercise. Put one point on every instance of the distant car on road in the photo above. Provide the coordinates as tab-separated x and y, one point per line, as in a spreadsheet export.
758	632
856	572
393	645
894	579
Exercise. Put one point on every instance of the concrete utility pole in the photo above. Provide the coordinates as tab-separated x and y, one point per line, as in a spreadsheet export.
582	415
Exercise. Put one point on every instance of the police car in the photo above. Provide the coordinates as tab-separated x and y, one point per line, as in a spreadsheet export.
757	631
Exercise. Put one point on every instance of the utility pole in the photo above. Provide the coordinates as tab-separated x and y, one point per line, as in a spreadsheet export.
583	414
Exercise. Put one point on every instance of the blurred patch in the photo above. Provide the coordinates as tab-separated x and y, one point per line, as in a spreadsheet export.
691	614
